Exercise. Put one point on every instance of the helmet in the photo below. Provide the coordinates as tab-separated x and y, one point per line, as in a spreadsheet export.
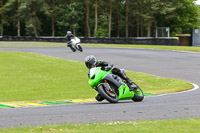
90	61
69	32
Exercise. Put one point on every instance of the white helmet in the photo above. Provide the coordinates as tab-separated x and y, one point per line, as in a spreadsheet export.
69	32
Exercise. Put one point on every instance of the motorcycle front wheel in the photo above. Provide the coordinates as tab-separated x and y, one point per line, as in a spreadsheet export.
73	49
108	93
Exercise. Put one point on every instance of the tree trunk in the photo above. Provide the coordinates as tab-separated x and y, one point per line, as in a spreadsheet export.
18	28
2	27
96	17
53	25
2	20
53	21
110	19
74	31
35	22
141	29
87	19
155	26
118	35
18	21
150	23
138	27
149	30
127	15
141	18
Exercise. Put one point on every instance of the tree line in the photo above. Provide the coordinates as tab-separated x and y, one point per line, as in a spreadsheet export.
97	18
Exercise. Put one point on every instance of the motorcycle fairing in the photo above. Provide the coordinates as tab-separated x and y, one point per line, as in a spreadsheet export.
123	89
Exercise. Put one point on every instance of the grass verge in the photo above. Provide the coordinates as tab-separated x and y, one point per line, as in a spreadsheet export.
30	77
163	126
177	48
34	77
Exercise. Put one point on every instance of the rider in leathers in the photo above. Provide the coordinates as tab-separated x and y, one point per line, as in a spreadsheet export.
91	62
69	36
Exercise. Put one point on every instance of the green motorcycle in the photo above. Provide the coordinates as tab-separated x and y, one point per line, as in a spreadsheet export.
111	87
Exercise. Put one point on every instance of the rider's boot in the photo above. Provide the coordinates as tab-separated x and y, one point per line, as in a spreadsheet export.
99	98
131	85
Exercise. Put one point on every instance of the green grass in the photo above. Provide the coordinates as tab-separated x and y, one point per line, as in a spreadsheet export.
158	85
177	48
29	77
35	45
26	42
160	126
33	77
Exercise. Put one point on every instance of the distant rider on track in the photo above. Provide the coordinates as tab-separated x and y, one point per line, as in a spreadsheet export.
69	36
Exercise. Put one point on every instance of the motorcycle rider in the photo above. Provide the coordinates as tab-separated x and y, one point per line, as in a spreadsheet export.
91	62
69	36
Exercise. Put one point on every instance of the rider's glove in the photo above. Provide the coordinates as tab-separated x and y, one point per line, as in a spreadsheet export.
69	43
108	68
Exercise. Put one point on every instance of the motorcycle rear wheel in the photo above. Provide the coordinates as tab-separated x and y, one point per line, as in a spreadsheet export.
110	96
138	95
80	48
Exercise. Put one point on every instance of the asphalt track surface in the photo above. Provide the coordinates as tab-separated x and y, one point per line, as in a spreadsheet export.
180	65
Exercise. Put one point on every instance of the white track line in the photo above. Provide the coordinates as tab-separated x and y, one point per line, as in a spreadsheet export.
190	52
194	88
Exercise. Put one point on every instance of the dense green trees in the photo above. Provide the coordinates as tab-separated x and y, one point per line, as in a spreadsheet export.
97	18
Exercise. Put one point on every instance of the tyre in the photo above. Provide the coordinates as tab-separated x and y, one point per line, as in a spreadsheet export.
138	95
80	48
73	49
107	93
